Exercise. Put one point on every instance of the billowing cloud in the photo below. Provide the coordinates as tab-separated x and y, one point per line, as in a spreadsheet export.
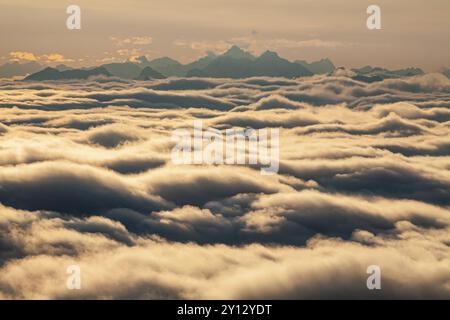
86	178
118	265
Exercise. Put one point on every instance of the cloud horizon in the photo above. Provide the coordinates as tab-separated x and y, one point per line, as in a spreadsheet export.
86	178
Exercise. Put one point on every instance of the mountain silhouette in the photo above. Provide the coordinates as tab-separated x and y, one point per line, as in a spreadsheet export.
148	73
382	73
270	64
201	63
236	63
14	69
166	66
237	53
126	70
54	74
63	67
172	68
323	66
223	67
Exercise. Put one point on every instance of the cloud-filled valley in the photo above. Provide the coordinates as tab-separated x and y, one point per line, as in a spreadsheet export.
86	178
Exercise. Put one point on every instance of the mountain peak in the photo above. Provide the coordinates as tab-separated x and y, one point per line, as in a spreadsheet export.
269	54
234	49
50	73
237	53
50	69
142	59
164	61
62	67
148	73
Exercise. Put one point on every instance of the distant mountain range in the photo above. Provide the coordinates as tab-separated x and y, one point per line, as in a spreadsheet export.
371	74
172	68
148	74
126	70
54	74
235	63
323	66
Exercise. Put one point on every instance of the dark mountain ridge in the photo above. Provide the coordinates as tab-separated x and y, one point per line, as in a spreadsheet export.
54	74
234	63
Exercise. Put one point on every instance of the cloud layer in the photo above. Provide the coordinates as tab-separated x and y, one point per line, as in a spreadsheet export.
86	178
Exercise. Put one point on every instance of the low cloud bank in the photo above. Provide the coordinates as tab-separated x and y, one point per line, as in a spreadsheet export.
86	178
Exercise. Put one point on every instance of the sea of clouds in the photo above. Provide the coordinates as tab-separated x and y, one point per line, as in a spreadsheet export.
86	178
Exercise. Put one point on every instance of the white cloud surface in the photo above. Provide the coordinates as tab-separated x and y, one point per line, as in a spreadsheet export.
86	178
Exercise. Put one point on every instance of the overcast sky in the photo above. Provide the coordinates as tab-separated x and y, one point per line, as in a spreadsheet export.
414	32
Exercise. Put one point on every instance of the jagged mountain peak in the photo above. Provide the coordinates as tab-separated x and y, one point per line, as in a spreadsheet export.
269	54
237	53
142	59
148	73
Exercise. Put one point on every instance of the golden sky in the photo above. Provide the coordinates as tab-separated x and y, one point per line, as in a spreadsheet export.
414	32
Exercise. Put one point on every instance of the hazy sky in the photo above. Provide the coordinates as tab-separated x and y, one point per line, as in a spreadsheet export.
414	32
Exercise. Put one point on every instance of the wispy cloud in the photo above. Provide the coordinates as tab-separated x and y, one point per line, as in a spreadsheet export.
20	56
137	40
257	44
204	46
